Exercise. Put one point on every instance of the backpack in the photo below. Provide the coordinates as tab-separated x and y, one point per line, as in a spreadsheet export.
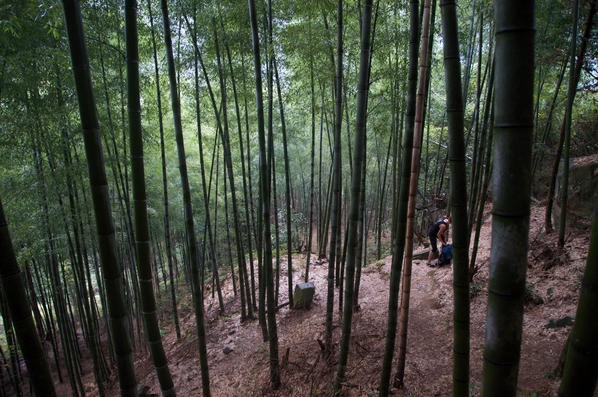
446	255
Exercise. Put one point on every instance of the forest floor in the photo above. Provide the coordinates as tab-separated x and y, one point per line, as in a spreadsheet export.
553	276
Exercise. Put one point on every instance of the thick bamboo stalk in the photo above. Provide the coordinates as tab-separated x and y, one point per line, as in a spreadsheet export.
458	197
20	313
119	321
142	235
513	129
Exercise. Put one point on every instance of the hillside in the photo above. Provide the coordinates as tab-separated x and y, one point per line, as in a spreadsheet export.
553	288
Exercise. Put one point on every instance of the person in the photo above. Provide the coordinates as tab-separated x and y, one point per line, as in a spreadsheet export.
438	232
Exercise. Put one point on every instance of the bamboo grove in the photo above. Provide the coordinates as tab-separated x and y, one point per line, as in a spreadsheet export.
153	151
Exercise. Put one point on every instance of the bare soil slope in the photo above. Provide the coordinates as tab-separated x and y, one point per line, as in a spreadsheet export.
553	288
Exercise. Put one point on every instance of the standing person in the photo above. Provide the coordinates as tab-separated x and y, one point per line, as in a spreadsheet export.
438	232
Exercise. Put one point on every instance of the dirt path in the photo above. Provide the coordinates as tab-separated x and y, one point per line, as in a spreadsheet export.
242	370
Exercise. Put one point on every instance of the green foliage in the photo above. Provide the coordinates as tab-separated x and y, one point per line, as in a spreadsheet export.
37	100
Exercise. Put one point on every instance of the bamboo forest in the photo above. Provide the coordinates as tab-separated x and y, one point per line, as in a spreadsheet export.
298	198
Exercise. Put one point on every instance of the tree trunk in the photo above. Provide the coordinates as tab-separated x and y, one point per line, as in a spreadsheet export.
142	236
265	202
413	182
358	159
246	195
243	278
211	239
555	165
398	243
193	256
312	166
99	189
20	314
287	190
567	144
458	198
485	178
334	257
513	129
581	365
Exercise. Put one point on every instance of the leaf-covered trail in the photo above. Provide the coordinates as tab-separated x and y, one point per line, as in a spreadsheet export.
238	357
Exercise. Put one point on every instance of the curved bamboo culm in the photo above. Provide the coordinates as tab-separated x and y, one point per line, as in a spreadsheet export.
358	161
398	243
458	197
197	290
581	366
265	203
513	115
142	237
413	181
101	200
20	314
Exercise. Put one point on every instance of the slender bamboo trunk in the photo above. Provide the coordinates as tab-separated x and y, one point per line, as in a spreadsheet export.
383	196
581	369
211	240
555	165
287	188
20	313
188	210
482	195
358	160
142	236
538	155
265	202
243	277
86	314
334	257
246	195
312	166
276	231
567	144
361	254
398	244
250	188
167	234
458	197
413	182
99	188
